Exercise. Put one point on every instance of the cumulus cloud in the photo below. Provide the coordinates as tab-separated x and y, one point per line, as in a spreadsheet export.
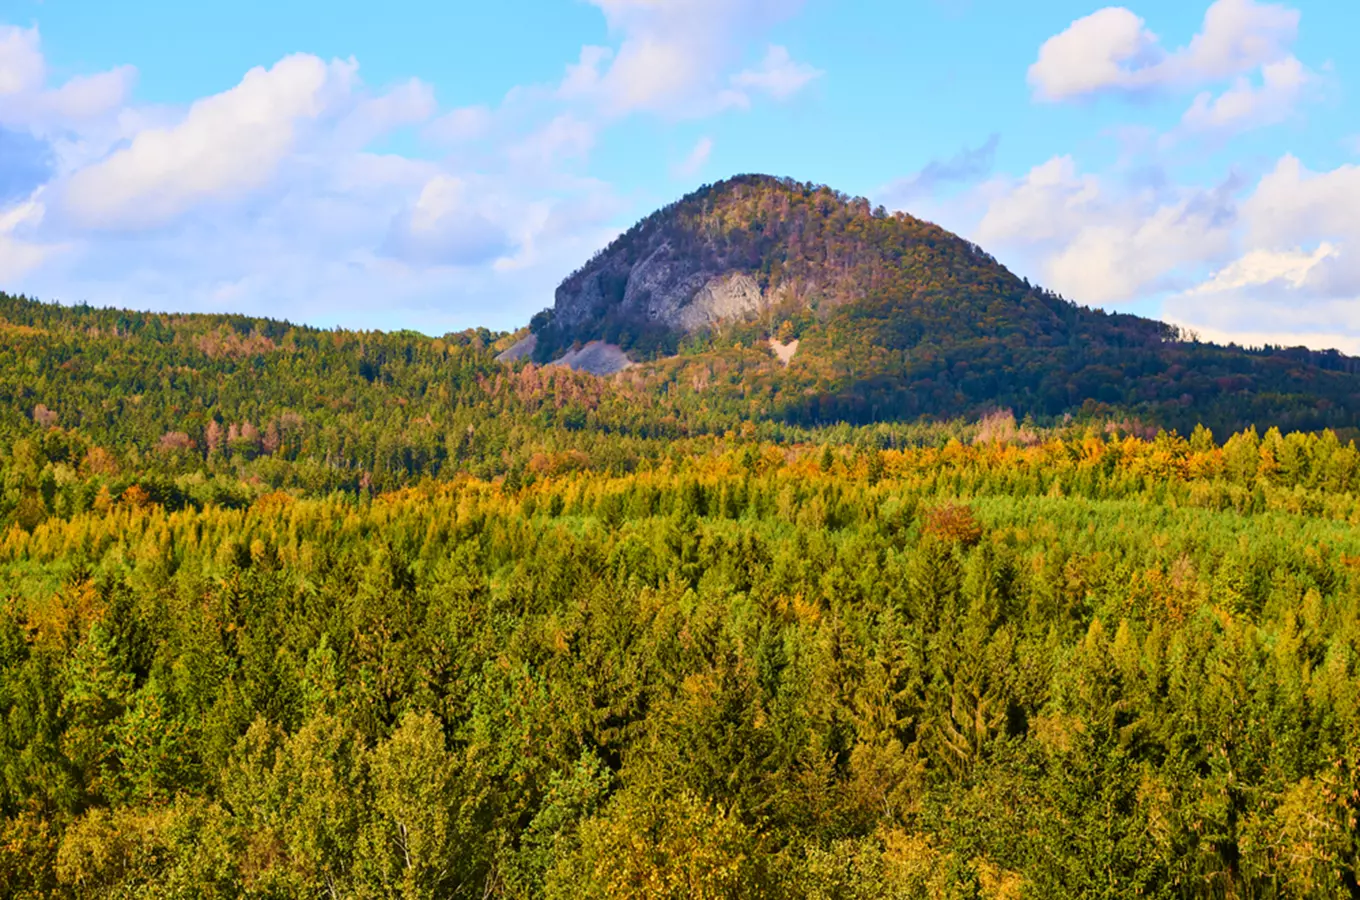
19	255
1097	244
1112	50
1276	261
1109	49
1289	268
677	57
565	137
28	103
467	123
227	144
1293	205
1296	278
371	117
779	75
22	67
1246	105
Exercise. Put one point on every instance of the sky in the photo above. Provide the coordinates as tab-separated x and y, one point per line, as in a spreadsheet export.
444	165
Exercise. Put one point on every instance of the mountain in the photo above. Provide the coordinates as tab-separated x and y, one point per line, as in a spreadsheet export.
861	315
755	246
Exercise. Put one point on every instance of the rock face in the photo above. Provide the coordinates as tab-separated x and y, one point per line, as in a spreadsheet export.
736	296
523	349
664	289
597	358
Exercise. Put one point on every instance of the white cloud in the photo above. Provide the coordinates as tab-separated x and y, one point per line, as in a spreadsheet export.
1276	262
467	123
29	212
1112	50
1292	205
778	75
565	137
1047	204
447	225
697	158
1245	105
1096	244
1238	36
89	96
226	145
22	68
583	76
19	256
27	102
1296	278
676	57
1289	268
410	103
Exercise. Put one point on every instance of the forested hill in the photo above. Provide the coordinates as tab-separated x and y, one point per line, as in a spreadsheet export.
898	318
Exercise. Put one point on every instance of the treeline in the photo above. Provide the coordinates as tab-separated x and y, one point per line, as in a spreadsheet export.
58	473
396	407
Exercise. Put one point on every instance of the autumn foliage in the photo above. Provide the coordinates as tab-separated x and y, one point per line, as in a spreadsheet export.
953	523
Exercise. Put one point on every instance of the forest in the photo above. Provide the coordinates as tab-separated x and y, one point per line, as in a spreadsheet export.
288	612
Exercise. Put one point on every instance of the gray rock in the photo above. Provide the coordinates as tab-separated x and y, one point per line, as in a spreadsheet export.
522	349
663	288
597	358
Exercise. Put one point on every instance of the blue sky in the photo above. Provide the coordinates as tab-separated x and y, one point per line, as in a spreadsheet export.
442	165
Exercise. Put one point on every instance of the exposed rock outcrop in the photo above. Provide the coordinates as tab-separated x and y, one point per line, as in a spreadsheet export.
663	289
597	358
523	349
784	352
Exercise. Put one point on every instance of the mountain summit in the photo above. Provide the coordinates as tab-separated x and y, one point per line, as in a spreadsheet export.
833	310
748	248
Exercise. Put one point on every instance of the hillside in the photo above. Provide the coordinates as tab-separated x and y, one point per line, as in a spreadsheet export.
897	318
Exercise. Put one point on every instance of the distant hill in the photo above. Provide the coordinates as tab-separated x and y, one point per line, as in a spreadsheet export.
896	318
